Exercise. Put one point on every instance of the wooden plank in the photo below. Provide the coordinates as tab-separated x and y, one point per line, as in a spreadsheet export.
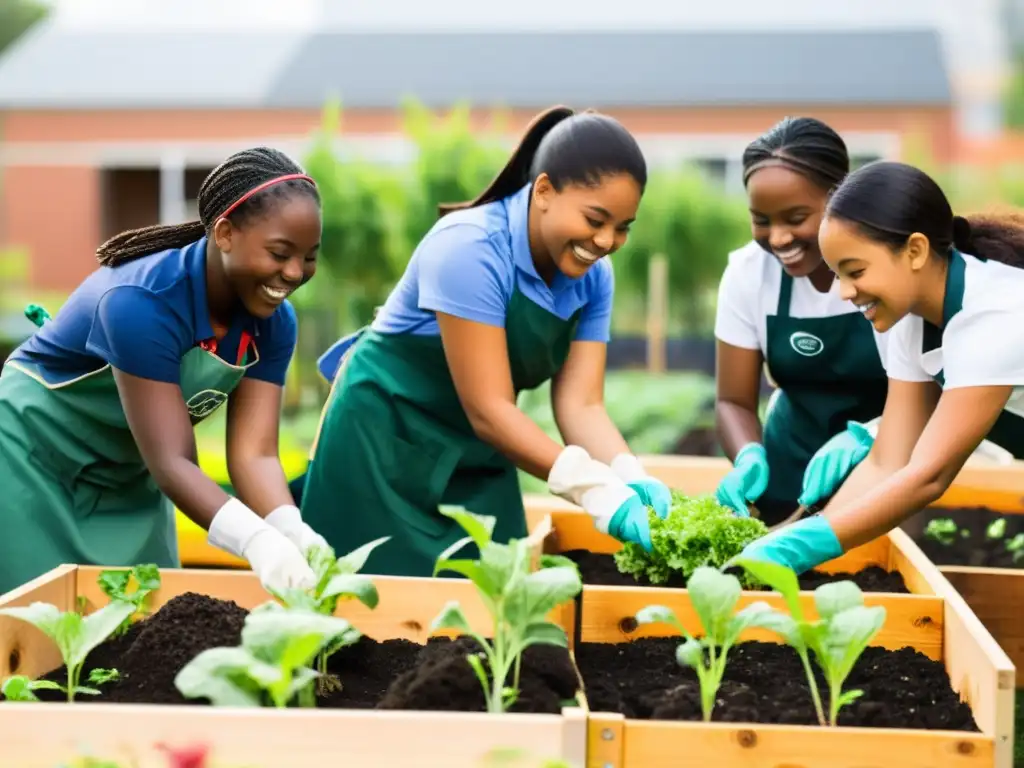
605	741
725	745
608	616
996	597
42	736
24	650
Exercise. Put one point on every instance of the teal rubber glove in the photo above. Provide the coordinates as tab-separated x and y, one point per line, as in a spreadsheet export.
801	546
746	481
651	491
829	467
630	523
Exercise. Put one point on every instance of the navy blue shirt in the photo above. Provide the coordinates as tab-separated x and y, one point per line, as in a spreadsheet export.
143	316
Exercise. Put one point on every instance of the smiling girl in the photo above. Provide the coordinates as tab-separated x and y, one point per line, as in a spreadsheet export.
779	304
504	293
950	289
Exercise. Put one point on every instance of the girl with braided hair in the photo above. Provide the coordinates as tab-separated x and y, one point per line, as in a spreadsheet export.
947	290
97	408
779	304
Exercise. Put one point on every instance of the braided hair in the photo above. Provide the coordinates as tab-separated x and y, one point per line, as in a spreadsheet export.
225	186
803	145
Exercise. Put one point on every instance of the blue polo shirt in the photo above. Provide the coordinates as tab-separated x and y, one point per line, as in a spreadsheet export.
469	264
143	316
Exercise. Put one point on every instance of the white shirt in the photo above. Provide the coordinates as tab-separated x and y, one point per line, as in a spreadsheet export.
982	345
749	293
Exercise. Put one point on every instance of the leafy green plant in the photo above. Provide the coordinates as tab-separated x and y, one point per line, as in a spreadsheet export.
115	586
996	529
698	531
338	578
518	598
714	596
272	662
75	635
843	630
23	688
943	530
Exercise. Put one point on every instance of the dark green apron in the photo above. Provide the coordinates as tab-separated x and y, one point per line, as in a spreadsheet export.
1008	431
75	488
395	443
829	372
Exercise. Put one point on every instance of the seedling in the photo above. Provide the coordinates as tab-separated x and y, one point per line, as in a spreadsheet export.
75	635
996	529
944	530
272	663
518	597
115	586
23	688
338	578
1016	547
698	531
714	596
844	629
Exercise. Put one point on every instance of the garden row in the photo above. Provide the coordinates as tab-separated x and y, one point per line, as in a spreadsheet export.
739	668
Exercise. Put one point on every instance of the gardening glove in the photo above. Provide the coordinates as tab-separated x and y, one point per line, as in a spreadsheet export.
288	520
616	508
271	555
746	481
801	546
651	491
828	468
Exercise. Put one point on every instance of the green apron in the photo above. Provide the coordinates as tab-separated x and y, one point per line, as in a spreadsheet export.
829	372
1008	431
75	487
395	443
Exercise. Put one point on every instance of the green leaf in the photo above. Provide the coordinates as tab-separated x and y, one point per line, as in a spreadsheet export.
479	527
557	561
355	560
543	590
103	676
87	691
94	629
228	677
690	654
778	577
148	577
714	596
471	570
18	688
355	585
268	633
847	634
772	620
656	614
836	597
848	697
545	633
451	617
115	583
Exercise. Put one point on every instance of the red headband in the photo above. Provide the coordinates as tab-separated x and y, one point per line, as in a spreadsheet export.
261	187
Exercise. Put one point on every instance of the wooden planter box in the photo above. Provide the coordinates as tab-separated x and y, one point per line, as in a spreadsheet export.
941	627
43	735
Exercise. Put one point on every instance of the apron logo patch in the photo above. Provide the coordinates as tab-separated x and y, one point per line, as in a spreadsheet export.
806	344
205	402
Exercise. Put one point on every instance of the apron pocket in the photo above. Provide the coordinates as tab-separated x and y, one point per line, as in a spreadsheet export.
82	497
419	474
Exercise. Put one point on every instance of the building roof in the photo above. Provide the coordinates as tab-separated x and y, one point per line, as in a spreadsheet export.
60	66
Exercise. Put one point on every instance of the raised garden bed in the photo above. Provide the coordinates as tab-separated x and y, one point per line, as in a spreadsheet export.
400	695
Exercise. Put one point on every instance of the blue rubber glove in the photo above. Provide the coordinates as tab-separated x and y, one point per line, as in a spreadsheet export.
801	546
829	467
746	481
631	522
651	490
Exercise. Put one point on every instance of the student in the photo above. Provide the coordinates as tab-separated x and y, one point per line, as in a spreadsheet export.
950	289
778	303
97	408
503	293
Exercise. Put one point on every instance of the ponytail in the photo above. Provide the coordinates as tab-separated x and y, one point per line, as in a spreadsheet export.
517	171
998	236
140	242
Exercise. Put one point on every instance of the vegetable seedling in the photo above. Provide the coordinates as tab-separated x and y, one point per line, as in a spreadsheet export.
337	578
115	586
698	531
518	598
843	630
75	635
943	530
272	662
23	688
714	596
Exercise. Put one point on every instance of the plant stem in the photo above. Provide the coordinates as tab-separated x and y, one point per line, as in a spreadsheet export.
813	685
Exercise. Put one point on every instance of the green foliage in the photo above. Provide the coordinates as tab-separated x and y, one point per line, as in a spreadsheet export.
115	586
698	531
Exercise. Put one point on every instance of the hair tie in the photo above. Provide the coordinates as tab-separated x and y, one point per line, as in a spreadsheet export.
261	187
961	233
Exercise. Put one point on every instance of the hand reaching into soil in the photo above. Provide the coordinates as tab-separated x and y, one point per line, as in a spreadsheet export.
278	562
801	546
747	480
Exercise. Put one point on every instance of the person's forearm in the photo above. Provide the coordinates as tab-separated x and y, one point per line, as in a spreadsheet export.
190	489
736	427
590	427
260	482
517	437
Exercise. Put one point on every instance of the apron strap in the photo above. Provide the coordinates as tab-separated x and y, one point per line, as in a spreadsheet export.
210	345
785	293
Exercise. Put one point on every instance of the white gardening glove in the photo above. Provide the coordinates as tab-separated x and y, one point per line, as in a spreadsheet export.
588	483
288	520
271	555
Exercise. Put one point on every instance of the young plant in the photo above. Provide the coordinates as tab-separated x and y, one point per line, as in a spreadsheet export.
23	688
338	578
698	531
272	662
115	586
1015	547
843	630
518	598
996	529
714	596
942	530
75	635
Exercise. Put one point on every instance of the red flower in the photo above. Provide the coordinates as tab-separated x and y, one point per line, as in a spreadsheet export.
186	757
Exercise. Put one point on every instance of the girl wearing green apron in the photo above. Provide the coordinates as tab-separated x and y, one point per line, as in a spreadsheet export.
779	304
950	289
501	295
97	408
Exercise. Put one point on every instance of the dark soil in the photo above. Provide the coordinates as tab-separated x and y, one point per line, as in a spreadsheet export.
394	674
974	548
600	569
766	683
